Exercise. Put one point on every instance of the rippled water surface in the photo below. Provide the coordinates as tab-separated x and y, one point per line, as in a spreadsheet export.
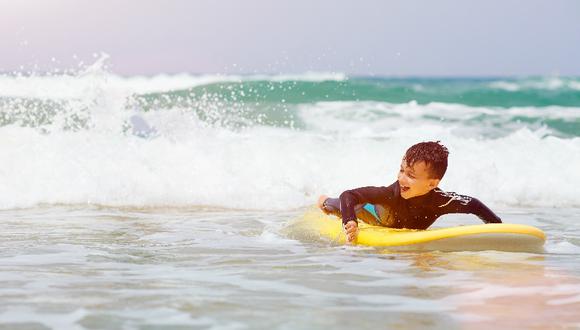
87	267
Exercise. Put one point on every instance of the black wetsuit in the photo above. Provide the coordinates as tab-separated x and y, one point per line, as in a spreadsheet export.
414	213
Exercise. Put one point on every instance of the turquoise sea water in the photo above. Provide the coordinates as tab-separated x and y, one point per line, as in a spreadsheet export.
167	202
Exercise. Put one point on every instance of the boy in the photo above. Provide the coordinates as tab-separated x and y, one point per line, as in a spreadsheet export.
414	201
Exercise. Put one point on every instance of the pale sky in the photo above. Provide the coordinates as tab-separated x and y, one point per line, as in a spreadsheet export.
363	37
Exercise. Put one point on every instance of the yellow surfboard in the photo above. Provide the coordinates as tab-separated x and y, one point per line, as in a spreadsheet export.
502	237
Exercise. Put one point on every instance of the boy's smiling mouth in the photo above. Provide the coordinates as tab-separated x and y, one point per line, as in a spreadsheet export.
404	188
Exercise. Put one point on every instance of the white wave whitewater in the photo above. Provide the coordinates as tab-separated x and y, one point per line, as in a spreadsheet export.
172	200
170	156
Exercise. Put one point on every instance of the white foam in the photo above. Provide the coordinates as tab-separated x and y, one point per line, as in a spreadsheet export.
547	83
344	145
505	85
264	167
67	86
575	85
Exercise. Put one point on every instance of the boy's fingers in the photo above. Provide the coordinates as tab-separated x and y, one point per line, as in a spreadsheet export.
351	234
351	229
350	224
351	237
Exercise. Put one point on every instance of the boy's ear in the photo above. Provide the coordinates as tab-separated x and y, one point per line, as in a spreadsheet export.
433	183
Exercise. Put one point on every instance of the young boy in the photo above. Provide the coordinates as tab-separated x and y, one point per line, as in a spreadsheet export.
414	201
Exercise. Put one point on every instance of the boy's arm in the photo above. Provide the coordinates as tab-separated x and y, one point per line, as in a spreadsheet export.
450	202
350	198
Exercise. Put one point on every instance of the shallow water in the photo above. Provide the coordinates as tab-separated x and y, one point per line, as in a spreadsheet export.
87	267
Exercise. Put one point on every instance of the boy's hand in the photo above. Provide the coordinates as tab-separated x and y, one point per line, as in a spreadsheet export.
351	229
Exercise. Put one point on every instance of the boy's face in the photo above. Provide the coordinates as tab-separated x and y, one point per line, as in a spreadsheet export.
415	180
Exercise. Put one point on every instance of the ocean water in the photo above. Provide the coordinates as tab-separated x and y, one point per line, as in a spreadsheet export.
167	202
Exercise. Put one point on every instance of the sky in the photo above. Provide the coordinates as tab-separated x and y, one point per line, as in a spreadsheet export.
363	37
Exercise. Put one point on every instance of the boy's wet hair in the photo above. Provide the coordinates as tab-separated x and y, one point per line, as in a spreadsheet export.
434	154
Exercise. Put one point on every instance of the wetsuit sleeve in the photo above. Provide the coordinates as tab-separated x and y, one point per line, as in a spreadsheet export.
449	202
373	195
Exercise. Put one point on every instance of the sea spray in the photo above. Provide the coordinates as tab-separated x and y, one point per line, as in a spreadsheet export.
263	142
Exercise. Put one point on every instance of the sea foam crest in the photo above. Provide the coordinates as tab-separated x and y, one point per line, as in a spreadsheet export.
176	158
548	83
264	167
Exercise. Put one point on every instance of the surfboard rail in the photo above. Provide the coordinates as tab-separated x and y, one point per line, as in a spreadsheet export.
503	236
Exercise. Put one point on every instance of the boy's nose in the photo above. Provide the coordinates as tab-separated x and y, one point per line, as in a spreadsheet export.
400	178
